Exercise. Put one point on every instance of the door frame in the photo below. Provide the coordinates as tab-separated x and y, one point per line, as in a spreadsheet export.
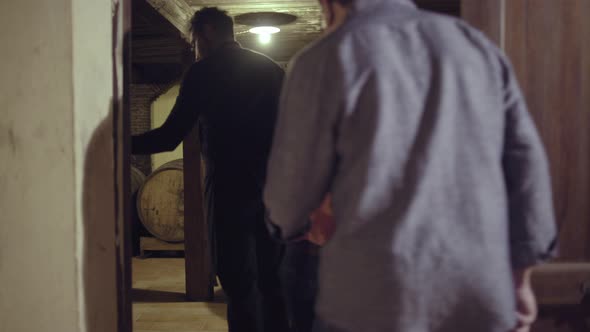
121	56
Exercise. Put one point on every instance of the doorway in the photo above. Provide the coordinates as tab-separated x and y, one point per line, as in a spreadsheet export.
541	61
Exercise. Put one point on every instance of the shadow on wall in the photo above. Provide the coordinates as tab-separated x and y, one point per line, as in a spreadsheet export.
99	215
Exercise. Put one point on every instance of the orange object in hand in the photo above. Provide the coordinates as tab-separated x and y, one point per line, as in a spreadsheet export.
322	223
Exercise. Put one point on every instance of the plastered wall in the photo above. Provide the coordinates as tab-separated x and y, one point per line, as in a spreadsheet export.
94	164
57	248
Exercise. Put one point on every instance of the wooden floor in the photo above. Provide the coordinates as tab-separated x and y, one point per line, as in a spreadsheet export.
159	304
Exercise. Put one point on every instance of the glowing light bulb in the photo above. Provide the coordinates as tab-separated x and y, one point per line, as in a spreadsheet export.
264	30
264	33
264	38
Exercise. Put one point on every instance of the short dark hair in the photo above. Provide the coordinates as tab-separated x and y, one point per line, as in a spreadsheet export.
219	19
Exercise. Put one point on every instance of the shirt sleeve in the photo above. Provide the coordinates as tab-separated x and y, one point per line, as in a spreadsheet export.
532	228
303	156
179	123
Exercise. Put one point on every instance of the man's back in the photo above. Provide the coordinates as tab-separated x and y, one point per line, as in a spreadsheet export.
425	137
417	122
238	115
233	96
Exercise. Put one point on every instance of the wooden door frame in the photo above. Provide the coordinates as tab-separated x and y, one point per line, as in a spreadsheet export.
198	249
121	55
198	255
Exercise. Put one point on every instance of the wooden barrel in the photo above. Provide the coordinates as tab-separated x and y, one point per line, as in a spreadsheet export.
137	178
160	202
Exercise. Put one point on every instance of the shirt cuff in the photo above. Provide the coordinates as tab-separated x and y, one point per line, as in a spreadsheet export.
528	254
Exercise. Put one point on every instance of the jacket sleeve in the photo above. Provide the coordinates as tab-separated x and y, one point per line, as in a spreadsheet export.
179	123
532	226
303	155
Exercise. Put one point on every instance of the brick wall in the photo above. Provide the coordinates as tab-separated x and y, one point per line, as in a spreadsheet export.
142	97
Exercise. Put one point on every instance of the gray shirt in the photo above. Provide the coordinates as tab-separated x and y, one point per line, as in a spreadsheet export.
416	125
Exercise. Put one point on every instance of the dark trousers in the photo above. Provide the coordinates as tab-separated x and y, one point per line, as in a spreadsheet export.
247	263
299	273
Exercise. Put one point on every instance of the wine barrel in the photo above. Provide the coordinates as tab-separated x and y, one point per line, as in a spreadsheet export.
137	178
160	202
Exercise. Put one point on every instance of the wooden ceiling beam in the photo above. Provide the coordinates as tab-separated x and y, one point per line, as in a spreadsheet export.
177	12
160	50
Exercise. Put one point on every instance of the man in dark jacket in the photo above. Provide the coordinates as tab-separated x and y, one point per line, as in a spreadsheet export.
232	95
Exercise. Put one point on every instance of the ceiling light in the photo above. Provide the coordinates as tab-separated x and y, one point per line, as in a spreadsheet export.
265	30
264	19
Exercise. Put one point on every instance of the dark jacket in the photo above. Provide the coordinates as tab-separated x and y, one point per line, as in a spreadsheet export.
233	96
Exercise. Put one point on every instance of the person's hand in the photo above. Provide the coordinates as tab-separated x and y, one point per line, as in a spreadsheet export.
526	304
322	223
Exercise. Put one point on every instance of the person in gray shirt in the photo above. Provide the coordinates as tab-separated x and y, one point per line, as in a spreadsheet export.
415	124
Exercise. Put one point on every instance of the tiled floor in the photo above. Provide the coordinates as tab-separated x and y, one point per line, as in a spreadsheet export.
158	289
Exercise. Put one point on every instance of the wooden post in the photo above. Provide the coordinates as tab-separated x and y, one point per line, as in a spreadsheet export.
197	251
121	57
